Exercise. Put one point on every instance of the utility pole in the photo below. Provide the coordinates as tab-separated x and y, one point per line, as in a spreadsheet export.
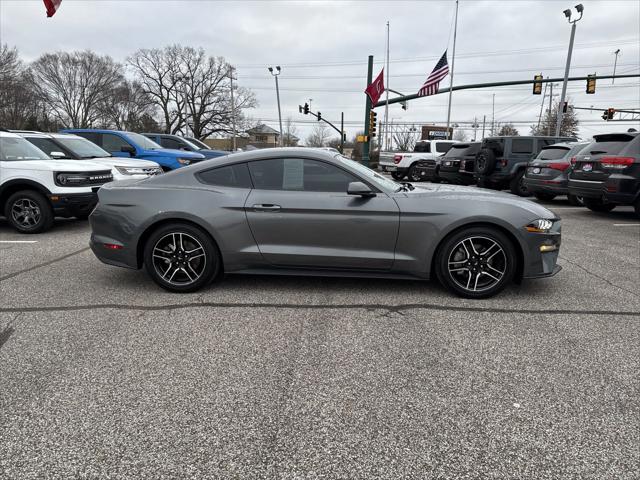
386	108
475	128
453	63
342	132
544	94
367	111
550	108
278	71
233	111
484	123
615	64
493	115
567	14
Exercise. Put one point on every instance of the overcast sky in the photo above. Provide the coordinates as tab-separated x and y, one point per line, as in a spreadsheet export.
323	46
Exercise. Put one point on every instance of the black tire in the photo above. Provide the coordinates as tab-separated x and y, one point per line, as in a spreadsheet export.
397	175
597	205
83	217
575	200
477	266
545	197
29	211
187	270
485	161
413	175
517	186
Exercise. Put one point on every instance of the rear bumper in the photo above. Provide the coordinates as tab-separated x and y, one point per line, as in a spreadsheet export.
456	176
73	204
385	167
427	172
557	187
616	189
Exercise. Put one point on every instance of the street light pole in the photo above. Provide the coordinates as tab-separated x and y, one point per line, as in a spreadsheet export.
567	13
275	75
615	64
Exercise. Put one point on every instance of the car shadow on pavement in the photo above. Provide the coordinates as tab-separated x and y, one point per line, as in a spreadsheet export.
5	334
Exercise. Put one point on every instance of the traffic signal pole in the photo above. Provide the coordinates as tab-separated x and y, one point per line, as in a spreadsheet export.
367	110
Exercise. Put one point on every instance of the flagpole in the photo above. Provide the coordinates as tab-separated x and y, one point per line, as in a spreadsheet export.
453	63
386	107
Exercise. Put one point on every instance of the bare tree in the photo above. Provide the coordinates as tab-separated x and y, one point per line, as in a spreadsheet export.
460	135
192	90
18	104
76	86
405	139
289	138
130	109
319	136
508	130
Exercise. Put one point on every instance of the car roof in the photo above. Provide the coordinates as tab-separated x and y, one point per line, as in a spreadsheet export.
8	134
31	134
265	154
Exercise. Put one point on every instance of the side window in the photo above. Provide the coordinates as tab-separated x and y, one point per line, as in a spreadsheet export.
113	143
422	147
230	176
522	145
299	175
171	143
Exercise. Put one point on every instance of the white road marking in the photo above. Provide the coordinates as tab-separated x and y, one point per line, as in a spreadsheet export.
18	241
626	224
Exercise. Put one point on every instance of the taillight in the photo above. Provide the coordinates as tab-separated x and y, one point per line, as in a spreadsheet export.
397	158
558	166
574	160
617	162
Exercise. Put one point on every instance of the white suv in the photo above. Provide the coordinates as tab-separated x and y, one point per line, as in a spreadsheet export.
62	146
401	164
34	188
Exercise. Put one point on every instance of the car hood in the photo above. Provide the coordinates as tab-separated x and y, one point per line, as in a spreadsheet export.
460	194
56	165
163	152
124	162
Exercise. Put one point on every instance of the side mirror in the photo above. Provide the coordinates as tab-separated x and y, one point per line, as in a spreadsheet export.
359	188
57	155
128	149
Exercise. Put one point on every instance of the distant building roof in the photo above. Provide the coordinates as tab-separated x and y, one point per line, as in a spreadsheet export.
264	129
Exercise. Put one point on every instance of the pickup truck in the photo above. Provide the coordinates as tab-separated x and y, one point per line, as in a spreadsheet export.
401	164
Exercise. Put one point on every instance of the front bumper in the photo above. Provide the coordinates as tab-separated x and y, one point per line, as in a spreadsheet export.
543	249
74	204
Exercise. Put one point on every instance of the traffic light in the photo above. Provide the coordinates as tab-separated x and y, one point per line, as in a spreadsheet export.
537	84
319	116
372	123
404	105
591	83
300	108
565	107
306	109
608	114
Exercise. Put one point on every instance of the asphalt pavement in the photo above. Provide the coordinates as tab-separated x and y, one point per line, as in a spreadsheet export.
104	375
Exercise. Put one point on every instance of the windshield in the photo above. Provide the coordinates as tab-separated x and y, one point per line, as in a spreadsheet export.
142	141
384	183
553	153
82	147
200	145
15	149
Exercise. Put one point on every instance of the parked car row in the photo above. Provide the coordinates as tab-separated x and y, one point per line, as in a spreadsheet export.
47	175
599	174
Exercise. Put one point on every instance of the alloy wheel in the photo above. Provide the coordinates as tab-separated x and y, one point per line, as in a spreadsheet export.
477	263
26	213
179	258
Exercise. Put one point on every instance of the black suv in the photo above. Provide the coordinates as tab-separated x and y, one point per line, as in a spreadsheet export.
607	172
458	164
502	161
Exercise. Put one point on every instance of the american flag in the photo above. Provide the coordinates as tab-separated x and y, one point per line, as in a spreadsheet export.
441	70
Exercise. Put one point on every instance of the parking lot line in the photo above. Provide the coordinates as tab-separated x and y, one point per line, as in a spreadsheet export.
18	241
626	224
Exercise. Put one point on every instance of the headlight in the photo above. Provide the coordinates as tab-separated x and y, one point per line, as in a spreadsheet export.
139	170
541	225
184	161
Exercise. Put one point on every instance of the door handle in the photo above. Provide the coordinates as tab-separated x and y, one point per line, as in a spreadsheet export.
266	207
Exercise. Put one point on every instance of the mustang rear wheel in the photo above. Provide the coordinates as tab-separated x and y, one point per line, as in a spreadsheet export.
478	262
181	258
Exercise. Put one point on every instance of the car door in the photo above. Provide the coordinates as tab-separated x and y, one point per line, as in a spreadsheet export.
301	216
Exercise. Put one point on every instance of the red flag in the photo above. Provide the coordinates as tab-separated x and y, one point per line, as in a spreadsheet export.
376	88
52	6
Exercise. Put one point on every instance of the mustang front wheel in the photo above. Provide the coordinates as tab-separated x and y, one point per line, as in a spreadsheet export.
181	258
476	263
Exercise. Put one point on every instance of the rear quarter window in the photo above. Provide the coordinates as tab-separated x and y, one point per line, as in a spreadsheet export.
522	145
234	176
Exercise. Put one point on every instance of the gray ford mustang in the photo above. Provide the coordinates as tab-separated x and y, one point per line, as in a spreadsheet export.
298	211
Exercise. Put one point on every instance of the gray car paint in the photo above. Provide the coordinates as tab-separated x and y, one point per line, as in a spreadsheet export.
390	234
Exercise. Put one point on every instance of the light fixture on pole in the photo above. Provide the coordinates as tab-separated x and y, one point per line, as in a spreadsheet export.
567	13
615	64
275	75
